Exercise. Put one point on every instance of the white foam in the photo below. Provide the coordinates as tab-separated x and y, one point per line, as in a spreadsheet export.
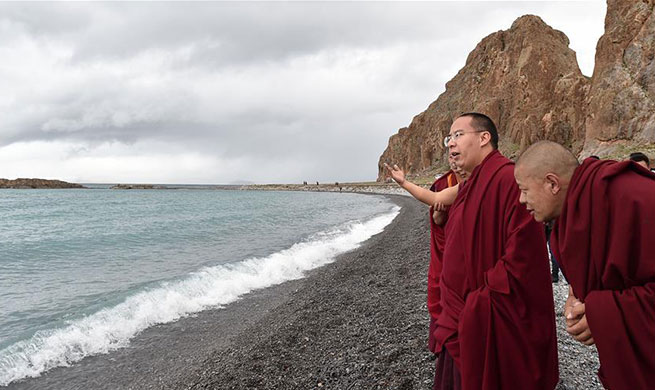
212	287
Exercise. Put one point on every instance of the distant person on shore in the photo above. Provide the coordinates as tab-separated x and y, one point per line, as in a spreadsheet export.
604	239
496	329
640	159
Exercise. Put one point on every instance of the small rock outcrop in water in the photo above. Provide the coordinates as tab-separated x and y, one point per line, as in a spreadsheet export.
528	81
138	187
37	183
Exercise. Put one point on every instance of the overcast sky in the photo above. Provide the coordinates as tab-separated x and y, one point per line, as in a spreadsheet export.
221	92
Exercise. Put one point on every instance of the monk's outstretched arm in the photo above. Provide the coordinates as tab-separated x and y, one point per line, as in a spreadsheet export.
446	197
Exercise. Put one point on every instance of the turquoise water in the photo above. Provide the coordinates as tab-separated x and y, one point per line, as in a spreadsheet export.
83	271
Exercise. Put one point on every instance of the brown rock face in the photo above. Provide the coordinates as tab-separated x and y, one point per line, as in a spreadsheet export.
621	99
525	78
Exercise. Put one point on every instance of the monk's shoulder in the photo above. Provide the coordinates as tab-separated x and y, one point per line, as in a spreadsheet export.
442	182
504	177
630	184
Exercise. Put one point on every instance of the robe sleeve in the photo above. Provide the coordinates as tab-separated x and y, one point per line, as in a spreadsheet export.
622	324
434	272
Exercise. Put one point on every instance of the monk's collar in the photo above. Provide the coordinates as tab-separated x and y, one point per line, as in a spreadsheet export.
489	156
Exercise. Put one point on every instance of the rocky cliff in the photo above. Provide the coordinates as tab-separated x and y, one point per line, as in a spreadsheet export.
621	111
528	81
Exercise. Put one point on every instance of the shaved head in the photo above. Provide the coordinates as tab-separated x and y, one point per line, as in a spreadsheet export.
547	157
543	173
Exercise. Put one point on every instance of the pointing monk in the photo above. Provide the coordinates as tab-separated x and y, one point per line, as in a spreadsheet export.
496	329
438	218
604	238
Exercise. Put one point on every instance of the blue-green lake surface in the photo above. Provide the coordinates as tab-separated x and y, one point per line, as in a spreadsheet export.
83	271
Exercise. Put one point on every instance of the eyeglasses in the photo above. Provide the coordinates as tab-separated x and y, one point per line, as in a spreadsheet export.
458	134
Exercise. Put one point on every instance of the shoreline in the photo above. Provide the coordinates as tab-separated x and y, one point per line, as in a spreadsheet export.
360	188
159	356
360	322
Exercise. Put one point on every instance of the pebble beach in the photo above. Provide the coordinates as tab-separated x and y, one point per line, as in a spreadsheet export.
358	323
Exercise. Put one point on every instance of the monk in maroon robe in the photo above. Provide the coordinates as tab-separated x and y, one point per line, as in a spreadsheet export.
604	238
438	218
496	329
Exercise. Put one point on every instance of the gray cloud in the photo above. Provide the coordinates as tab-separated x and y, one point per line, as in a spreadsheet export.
228	31
285	91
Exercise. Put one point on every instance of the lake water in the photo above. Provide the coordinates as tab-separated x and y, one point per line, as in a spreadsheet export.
83	271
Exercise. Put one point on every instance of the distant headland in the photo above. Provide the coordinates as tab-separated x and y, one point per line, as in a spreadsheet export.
22	183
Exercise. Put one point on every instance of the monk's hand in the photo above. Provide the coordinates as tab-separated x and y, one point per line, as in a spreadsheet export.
396	173
580	330
438	215
571	301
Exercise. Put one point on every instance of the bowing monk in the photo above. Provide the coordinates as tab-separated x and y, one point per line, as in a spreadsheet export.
604	238
496	329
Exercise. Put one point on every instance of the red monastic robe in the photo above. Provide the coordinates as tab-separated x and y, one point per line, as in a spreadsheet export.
604	240
437	240
497	319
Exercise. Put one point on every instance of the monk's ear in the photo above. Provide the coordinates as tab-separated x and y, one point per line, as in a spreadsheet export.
485	138
553	183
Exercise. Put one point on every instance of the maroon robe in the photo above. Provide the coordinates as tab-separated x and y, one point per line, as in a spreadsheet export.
604	240
498	319
437	240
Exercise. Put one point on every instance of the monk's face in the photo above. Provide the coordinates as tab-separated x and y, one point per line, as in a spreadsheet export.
537	195
465	146
461	174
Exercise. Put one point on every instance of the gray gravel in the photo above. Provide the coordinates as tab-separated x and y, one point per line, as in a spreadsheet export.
578	363
361	323
358	323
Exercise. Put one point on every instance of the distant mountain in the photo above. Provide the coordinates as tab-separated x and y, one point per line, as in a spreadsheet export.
528	81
